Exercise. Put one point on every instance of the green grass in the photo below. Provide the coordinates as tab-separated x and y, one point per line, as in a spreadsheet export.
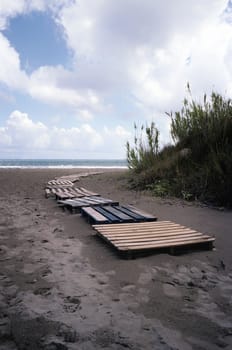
199	163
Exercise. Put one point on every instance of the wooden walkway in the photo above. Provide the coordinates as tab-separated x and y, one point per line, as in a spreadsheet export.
115	214
152	235
128	229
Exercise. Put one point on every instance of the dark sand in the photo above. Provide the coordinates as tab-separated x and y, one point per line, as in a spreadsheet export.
61	287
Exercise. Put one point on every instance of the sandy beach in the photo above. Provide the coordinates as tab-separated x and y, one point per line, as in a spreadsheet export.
62	287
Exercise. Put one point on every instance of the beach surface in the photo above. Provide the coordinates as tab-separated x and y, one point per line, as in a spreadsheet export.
62	287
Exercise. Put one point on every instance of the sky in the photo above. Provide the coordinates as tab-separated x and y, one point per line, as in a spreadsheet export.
75	75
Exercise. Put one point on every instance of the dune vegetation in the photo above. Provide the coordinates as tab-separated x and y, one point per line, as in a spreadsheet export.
198	165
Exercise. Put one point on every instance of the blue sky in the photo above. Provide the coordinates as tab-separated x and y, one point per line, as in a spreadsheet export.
76	74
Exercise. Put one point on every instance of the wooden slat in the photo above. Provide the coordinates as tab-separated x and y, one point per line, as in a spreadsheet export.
136	216
64	195
150	231
142	229
165	244
138	225
94	214
134	241
99	199
110	217
47	192
88	193
151	238
119	214
139	211
149	234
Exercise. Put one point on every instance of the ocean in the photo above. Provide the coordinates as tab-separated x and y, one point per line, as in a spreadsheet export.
63	163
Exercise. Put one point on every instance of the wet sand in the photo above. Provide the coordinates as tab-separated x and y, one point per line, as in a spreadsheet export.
62	287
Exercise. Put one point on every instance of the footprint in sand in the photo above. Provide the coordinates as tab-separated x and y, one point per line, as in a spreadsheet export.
46	272
71	304
69	334
43	291
171	291
44	241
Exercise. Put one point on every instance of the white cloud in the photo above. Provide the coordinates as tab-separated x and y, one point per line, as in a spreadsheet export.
24	133
148	49
5	139
51	85
84	114
10	71
24	136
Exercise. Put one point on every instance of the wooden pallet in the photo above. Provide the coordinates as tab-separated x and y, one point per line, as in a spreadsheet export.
116	214
75	204
59	183
76	177
62	193
151	235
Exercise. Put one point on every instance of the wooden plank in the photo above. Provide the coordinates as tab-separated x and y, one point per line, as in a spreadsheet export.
79	203
165	244
93	214
141	224
50	182
87	192
99	200
47	192
92	201
146	231
148	234
64	195
150	239
122	216
110	217
84	200
73	191
70	190
125	230
160	241
136	216
139	211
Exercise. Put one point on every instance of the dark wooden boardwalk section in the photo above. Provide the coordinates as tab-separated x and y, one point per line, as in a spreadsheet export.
115	214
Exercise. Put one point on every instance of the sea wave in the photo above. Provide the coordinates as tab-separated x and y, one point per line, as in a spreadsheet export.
61	164
61	167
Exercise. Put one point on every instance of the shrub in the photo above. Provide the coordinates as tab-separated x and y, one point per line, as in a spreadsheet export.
143	154
199	164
